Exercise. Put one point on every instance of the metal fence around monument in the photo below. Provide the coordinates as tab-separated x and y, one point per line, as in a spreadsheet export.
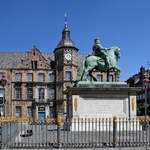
74	133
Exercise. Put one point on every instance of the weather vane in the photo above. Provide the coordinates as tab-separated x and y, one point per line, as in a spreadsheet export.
65	18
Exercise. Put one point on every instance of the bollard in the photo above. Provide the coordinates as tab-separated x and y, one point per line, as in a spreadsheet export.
114	131
59	131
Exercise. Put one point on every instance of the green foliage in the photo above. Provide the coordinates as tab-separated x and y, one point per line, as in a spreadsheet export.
141	109
30	83
18	83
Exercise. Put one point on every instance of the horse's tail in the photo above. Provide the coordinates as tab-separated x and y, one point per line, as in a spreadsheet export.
80	71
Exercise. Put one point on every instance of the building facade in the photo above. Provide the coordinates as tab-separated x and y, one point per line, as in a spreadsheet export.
142	79
33	83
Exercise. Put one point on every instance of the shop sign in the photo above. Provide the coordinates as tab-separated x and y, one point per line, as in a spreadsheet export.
41	108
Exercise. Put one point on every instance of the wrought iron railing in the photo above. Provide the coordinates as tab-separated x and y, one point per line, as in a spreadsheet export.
74	133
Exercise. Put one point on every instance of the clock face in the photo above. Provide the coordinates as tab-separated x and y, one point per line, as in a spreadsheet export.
68	56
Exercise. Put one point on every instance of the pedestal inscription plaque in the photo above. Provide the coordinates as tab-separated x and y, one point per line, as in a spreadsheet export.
99	101
97	107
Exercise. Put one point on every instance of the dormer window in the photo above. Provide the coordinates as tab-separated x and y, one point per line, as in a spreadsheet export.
34	64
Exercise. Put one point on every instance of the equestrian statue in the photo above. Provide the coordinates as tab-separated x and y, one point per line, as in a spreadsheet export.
102	60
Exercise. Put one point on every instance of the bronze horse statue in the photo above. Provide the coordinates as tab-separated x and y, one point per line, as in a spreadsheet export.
94	62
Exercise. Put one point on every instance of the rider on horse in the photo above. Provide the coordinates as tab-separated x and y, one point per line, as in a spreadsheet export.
102	59
101	52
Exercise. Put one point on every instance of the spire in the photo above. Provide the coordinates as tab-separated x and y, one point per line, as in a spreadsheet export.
66	32
65	19
66	40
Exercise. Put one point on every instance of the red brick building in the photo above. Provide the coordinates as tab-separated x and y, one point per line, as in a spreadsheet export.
36	81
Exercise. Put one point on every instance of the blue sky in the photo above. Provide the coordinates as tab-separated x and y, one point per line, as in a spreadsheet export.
123	23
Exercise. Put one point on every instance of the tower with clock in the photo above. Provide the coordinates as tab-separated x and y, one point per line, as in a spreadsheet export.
66	67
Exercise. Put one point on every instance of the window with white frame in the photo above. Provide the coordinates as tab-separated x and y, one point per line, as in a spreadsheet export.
51	93
41	93
29	112
52	77
18	77
18	111
41	77
30	93
30	77
68	75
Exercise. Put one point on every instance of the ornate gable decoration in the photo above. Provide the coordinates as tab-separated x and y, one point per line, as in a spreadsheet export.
34	60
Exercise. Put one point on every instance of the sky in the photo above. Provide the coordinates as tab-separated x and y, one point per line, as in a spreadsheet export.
122	23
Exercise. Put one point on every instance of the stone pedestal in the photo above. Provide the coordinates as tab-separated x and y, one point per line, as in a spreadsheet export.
102	100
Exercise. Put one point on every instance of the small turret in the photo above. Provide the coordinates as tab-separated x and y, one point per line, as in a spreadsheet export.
66	40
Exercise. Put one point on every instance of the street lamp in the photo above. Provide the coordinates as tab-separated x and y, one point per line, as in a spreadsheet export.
145	83
3	83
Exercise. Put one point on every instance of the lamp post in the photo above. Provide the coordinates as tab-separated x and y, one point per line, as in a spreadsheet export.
3	83
145	83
